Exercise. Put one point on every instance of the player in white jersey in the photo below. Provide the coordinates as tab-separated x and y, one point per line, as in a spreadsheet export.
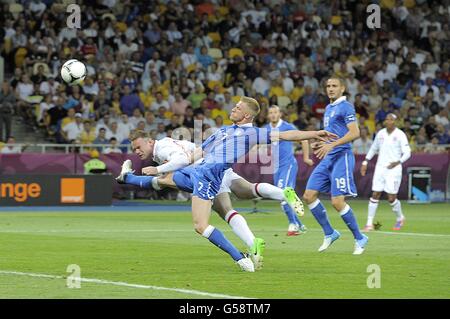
393	150
171	155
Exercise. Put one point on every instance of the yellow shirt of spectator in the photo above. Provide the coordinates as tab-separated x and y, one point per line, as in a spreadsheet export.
66	121
297	93
146	98
277	90
88	138
216	112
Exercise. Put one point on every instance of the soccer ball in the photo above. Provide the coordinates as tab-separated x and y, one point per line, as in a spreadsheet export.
73	72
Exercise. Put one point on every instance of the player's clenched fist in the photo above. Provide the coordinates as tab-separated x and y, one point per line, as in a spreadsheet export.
150	170
363	169
326	136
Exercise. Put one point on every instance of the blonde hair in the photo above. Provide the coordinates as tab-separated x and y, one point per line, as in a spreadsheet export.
340	79
252	104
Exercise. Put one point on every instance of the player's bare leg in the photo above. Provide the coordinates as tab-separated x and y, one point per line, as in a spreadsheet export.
372	210
201	210
397	209
349	219
223	206
243	189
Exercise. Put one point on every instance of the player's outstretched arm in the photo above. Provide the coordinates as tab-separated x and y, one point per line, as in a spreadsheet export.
352	134
175	162
305	151
295	135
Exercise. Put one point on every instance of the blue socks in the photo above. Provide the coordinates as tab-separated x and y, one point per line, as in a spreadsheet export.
216	237
320	214
291	215
350	220
141	181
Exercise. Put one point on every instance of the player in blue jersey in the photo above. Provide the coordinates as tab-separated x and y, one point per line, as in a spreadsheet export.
335	172
219	152
285	174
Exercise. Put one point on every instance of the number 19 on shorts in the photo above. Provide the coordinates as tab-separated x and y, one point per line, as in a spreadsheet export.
340	184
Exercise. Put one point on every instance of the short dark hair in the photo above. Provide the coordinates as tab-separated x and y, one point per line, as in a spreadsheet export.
135	134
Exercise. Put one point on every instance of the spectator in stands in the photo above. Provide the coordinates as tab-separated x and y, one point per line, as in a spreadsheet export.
136	118
53	119
174	122
150	123
101	138
196	97
7	102
179	105
384	111
130	101
72	131
433	147
113	148
161	131
363	143
11	148
442	135
114	131
408	67
88	135
160	101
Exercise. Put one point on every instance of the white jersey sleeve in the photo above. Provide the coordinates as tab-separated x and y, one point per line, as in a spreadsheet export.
405	147
172	154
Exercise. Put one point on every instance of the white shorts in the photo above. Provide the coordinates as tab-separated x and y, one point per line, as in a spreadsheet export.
387	180
228	177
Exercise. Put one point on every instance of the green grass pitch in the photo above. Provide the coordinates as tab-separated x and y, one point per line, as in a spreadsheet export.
129	253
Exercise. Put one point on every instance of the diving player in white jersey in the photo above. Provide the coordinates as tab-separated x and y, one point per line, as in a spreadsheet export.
171	155
393	150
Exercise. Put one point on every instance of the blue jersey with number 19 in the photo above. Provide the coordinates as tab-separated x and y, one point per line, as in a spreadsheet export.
335	172
337	115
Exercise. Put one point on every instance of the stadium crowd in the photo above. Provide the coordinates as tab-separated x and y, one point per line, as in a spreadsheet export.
161	65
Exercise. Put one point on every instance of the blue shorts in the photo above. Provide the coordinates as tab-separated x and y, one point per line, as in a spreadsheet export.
286	175
207	178
334	173
182	179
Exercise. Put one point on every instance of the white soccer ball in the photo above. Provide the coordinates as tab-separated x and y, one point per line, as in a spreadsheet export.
73	72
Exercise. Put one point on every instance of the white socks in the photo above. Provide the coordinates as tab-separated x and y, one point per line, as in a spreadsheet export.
397	209
266	190
373	205
240	227
208	231
155	184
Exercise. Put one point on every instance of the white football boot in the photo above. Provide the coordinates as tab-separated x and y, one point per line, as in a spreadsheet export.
126	169
246	264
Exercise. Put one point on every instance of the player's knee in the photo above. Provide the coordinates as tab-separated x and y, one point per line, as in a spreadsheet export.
338	203
200	227
309	197
376	195
392	199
